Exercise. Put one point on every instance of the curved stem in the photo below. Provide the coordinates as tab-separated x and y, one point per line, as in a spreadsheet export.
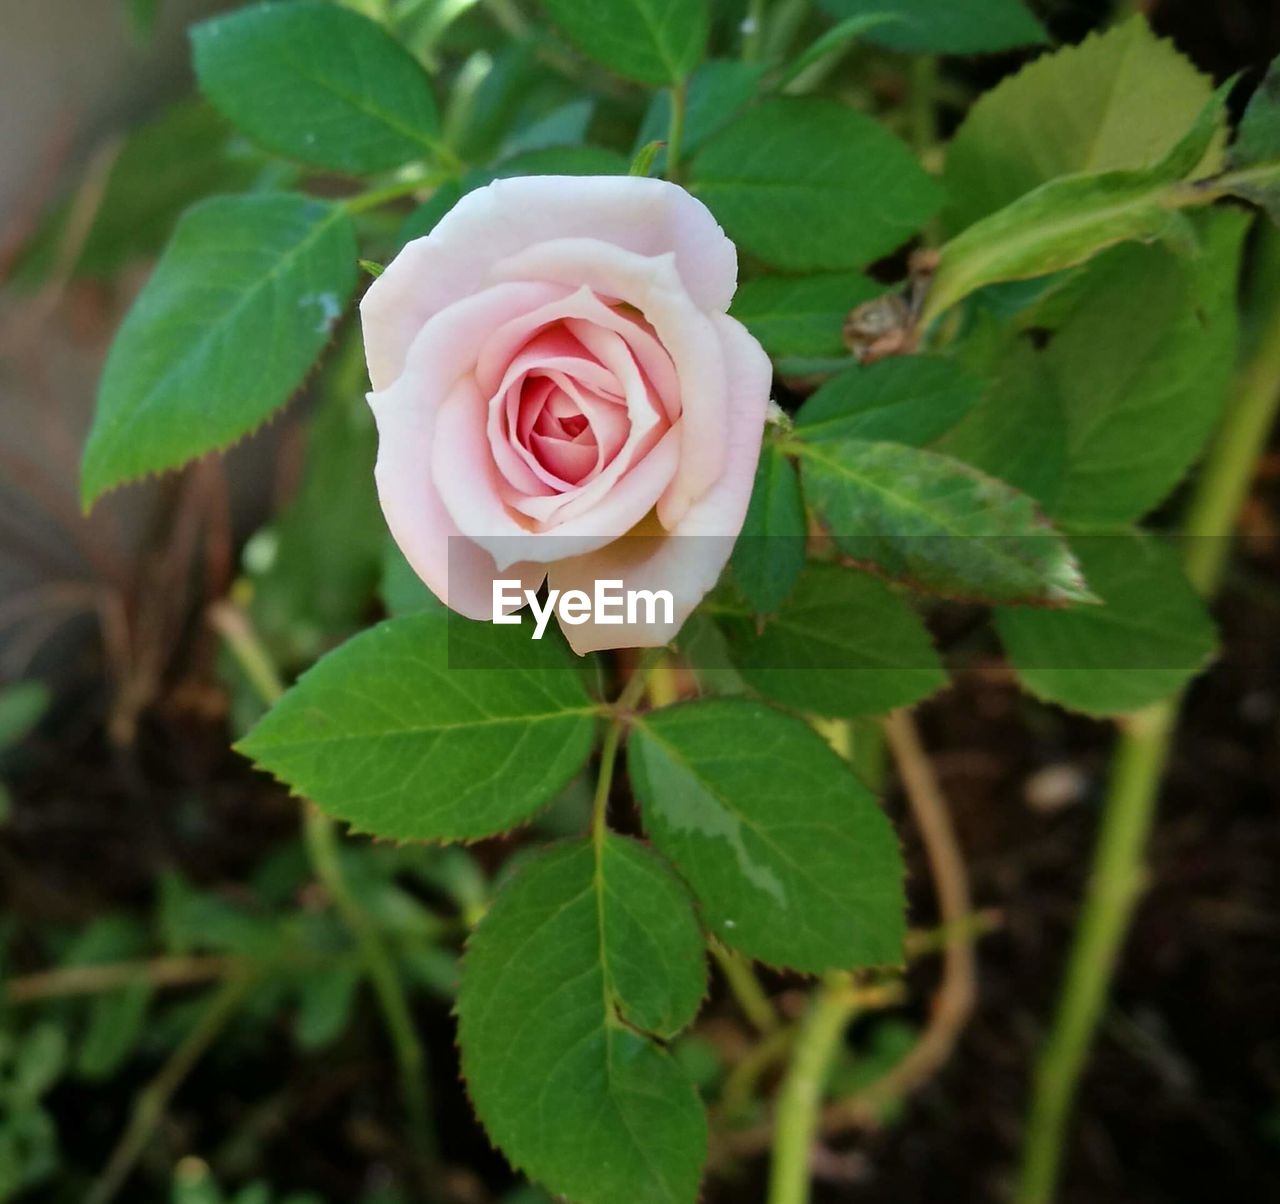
745	987
322	844
1141	756
800	1099
153	1100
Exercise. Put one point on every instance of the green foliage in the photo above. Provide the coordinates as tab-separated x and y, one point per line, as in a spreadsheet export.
318	83
178	158
1120	101
790	857
770	551
1149	636
800	317
1254	159
590	954
716	91
653	41
957	27
843	644
383	734
1121	398
809	185
938	524
237	310
911	399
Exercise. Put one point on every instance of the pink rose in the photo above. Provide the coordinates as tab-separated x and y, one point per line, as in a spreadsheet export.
560	395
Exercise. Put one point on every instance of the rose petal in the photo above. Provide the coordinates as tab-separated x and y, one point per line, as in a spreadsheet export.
406	417
648	217
689	559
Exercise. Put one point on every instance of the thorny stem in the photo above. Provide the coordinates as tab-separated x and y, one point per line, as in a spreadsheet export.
322	843
1141	756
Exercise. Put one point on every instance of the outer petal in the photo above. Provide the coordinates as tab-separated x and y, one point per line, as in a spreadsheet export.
406	416
689	559
648	217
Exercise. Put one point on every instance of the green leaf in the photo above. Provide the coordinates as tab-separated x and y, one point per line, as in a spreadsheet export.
830	45
235	313
811	185
384	734
1119	101
40	1060
938	524
802	316
318	83
184	155
956	27
116	1025
326	999
586	956
844	644
1254	159
401	589
1150	636
22	706
323	556
1104	419
910	399
653	41
770	550
792	859
716	91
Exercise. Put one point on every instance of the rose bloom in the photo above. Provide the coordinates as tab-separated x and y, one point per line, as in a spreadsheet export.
561	396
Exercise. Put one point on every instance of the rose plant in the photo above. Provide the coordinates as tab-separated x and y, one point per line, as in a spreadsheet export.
570	382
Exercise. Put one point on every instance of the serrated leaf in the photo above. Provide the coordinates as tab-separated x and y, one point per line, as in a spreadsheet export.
1148	638
937	523
802	316
1101	421
770	550
1119	101
790	856
653	41
716	91
811	185
956	27
383	734
583	955
911	399
318	83
844	644
237	310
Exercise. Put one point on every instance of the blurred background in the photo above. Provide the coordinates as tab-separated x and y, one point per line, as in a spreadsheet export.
131	836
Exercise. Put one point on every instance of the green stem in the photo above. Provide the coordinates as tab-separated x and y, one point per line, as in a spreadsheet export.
1140	759
375	198
675	131
322	844
153	1100
924	125
753	31
746	989
800	1098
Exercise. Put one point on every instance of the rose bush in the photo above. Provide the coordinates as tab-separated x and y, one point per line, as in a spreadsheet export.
560	394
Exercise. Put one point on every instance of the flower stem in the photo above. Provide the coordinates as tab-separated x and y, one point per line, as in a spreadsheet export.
322	844
800	1099
1141	756
746	989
